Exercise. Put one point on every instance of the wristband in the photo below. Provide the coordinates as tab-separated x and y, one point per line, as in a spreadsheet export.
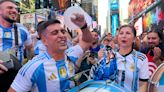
84	27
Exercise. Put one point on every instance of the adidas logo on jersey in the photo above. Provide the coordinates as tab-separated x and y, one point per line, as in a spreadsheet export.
52	77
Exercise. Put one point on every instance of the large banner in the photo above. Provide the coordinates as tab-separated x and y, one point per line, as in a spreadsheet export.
115	23
136	6
114	7
155	16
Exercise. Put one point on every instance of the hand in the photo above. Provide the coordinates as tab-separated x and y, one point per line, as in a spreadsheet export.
78	20
101	53
2	68
157	53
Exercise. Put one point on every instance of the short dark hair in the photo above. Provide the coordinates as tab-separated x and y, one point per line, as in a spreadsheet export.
154	28
130	26
2	1
95	30
44	24
38	28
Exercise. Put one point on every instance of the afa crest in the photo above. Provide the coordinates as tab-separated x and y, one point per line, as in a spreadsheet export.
62	72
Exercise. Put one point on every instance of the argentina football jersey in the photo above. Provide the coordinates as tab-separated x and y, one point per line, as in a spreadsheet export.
7	39
44	74
131	68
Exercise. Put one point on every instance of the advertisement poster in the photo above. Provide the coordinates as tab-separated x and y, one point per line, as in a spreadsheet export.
114	5
155	16
115	23
28	20
136	6
41	15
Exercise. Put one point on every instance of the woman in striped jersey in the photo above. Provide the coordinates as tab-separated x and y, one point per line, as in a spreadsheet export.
131	66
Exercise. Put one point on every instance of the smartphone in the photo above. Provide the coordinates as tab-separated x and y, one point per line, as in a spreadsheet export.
9	64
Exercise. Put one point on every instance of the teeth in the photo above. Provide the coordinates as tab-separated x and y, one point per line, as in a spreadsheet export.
62	42
13	15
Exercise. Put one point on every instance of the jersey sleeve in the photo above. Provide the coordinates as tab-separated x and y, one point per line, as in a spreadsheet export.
93	70
25	34
74	53
144	70
22	81
28	41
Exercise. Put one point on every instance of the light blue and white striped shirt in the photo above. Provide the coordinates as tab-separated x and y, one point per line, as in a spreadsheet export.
44	74
7	39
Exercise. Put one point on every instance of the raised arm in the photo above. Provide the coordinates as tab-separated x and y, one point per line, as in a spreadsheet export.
86	39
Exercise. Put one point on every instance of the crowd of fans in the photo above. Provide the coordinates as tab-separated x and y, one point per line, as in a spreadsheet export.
127	59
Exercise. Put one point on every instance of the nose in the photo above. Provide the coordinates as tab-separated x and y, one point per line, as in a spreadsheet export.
150	40
61	34
124	35
15	10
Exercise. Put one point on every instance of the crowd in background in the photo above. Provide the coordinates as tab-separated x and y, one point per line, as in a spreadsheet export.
116	58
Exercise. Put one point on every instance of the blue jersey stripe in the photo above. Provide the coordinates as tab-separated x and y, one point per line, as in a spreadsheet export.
36	51
7	39
38	77
27	66
73	59
62	71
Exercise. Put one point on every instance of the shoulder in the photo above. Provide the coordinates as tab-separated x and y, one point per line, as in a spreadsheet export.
141	56
74	51
21	27
30	67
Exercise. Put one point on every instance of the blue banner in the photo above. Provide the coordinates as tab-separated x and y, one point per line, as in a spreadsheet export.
115	23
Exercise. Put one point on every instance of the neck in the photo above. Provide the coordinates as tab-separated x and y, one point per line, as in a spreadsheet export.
57	55
4	23
94	45
125	51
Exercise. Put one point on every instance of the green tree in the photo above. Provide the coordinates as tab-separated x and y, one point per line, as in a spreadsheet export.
27	6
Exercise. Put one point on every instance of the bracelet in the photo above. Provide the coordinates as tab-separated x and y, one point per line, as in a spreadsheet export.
84	27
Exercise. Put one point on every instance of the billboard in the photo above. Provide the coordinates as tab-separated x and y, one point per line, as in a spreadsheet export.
61	4
136	6
114	23
28	20
155	16
114	5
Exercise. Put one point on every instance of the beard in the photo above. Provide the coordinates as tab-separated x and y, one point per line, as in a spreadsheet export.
9	19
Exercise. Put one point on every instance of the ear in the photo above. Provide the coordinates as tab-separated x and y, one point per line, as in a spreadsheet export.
135	39
44	40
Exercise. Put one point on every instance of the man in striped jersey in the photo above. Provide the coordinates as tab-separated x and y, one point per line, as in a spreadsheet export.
8	35
50	71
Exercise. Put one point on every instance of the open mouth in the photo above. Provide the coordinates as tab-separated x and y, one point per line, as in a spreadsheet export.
63	43
123	41
13	16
